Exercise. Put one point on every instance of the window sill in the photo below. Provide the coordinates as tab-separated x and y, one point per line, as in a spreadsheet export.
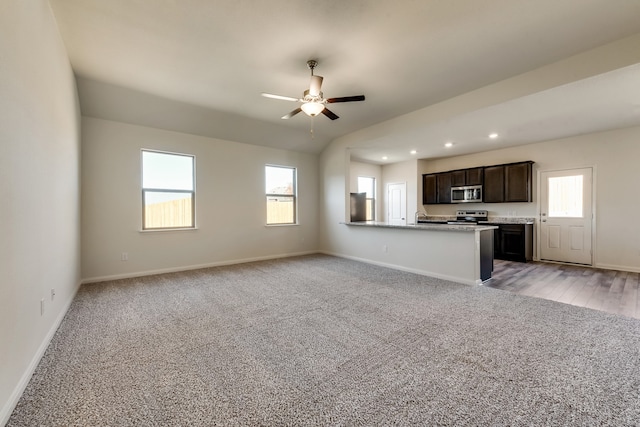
164	230
281	225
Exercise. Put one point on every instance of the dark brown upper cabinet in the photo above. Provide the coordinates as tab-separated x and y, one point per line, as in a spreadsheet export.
517	182
501	183
429	189
493	189
444	187
474	176
508	183
458	178
464	177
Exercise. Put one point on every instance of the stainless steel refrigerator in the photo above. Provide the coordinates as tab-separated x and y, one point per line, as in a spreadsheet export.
358	207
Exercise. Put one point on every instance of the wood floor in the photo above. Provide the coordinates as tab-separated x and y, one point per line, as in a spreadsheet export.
606	290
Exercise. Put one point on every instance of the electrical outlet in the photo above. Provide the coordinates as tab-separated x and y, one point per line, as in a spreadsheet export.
41	306
53	294
125	256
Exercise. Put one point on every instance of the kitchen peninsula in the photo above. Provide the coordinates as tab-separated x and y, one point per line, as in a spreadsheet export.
457	252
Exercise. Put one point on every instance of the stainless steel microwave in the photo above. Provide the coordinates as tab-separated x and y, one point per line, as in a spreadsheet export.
467	194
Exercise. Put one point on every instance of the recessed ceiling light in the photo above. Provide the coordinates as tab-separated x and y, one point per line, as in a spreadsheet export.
449	144
384	157
413	151
493	135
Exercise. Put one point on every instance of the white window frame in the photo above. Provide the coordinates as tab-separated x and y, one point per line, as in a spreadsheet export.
294	196
372	200
168	190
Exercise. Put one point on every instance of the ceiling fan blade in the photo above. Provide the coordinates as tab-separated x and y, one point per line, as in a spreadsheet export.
346	99
329	114
315	85
291	114
283	98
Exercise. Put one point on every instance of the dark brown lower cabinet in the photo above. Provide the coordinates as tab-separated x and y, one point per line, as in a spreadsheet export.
513	242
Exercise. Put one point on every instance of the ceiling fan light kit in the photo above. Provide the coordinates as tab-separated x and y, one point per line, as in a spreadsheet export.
313	101
312	109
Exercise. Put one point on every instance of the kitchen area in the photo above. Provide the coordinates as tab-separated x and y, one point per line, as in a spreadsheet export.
513	237
448	202
490	186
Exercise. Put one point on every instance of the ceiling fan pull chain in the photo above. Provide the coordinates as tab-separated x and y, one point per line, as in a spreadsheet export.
312	135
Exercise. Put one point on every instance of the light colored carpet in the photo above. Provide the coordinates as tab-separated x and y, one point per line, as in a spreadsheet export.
318	340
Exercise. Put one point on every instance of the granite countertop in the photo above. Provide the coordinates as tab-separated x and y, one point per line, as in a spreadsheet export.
510	220
427	226
490	220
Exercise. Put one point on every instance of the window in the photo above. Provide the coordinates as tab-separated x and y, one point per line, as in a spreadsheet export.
168	190
368	185
281	195
565	197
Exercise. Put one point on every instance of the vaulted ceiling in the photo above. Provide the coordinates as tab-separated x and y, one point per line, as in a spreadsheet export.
199	66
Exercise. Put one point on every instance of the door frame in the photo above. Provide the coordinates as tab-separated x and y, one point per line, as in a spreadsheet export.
594	213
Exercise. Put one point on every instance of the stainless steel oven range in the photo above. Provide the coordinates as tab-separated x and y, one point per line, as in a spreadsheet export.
469	217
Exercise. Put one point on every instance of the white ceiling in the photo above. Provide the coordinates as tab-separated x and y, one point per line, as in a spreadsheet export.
199	66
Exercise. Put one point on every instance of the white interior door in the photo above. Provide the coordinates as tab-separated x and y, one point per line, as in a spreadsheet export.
397	199
566	215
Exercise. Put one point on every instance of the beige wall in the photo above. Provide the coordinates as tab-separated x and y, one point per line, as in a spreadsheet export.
39	189
406	172
230	203
398	173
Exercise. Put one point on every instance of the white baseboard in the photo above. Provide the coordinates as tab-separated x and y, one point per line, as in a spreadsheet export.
599	265
191	267
407	269
10	405
618	267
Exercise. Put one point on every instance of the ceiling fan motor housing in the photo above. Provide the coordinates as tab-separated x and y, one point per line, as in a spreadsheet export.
309	97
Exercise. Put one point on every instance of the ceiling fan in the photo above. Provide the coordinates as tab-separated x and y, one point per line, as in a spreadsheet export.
313	102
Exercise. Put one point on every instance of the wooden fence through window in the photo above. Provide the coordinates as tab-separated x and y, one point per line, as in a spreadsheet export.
174	213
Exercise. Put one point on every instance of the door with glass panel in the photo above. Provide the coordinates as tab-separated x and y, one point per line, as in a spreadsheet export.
566	216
